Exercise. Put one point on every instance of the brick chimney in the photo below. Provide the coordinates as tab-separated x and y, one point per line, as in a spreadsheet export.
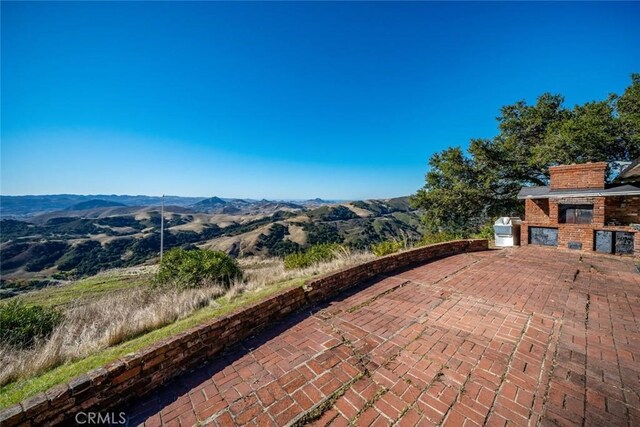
578	177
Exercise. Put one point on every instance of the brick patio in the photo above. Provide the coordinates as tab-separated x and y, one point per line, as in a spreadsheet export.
519	336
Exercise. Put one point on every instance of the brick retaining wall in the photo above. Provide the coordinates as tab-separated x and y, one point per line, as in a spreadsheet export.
139	373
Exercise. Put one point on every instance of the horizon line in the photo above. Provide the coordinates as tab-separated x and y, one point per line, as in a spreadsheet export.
198	197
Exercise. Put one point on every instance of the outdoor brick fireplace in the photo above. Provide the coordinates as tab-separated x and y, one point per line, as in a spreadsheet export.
578	210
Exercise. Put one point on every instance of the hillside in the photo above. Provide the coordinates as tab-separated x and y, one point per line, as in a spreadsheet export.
69	244
209	203
21	207
93	204
241	206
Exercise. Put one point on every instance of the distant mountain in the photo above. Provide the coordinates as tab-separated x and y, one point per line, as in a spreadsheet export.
266	204
23	207
26	206
210	202
242	206
115	211
317	202
93	204
74	243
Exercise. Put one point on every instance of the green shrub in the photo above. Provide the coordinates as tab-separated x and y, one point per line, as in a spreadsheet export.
387	247
22	324
295	260
197	267
442	236
486	232
314	255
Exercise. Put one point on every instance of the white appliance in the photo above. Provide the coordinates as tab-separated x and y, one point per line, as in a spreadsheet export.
507	231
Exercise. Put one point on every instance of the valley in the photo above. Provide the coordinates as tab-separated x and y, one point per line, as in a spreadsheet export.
40	248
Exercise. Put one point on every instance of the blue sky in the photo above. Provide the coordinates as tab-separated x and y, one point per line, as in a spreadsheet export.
282	100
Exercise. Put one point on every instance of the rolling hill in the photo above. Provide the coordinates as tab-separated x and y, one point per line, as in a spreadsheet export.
93	204
75	243
21	207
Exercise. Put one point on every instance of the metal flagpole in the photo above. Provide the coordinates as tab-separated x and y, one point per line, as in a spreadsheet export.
162	229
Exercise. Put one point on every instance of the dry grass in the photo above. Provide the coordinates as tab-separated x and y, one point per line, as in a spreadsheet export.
138	270
262	272
112	319
102	323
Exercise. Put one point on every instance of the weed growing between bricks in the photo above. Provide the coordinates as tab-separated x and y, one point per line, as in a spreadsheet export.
364	358
316	412
369	301
369	404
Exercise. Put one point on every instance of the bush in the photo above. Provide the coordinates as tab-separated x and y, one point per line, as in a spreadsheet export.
198	267
486	232
313	255
439	237
22	325
387	247
295	260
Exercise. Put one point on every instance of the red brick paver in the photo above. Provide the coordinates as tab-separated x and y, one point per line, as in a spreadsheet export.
527	336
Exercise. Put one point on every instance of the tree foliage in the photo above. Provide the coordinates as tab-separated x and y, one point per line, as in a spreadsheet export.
463	191
44	255
275	241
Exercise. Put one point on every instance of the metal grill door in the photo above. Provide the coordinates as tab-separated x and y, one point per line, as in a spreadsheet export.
543	236
624	243
604	241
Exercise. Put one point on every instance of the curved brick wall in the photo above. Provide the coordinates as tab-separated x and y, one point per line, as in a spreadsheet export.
139	373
